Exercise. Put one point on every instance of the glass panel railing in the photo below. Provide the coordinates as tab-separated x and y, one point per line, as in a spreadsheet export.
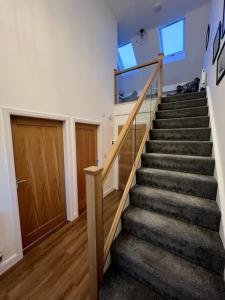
145	115
118	178
129	85
125	160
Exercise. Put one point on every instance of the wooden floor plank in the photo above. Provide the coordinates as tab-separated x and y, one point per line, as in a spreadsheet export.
57	268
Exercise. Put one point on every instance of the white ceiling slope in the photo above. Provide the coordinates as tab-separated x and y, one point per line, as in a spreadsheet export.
135	14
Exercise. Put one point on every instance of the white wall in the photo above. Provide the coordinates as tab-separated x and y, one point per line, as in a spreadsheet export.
217	105
176	72
56	57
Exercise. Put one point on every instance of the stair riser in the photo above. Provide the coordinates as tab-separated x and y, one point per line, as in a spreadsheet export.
183	97
184	213
183	104
181	164
181	135
189	186
202	257
204	149
200	122
183	113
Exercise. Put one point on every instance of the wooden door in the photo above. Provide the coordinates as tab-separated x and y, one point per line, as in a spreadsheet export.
39	166
86	150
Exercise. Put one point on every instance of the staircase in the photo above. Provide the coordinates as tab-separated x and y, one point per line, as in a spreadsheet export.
169	247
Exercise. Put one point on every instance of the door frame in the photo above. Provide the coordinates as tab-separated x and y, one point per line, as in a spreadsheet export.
71	195
99	147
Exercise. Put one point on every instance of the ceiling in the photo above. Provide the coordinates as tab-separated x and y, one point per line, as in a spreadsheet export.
135	14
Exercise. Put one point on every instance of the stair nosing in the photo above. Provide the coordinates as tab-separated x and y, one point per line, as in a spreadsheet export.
212	178
179	109
180	129
187	100
182	95
177	141
164	191
210	158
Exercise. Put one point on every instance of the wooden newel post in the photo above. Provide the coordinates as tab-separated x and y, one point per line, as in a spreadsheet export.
160	81
94	228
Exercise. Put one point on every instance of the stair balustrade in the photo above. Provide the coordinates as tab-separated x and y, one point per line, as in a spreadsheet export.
121	165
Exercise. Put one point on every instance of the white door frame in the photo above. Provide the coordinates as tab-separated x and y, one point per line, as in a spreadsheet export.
99	147
68	139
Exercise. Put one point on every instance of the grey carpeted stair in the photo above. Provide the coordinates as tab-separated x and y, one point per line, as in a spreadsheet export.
192	242
182	113
190	184
194	122
171	275
184	97
183	104
181	163
194	210
193	134
180	147
118	285
170	243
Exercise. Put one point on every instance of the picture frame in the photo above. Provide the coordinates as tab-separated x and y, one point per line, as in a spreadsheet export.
223	24
220	72
208	37
216	43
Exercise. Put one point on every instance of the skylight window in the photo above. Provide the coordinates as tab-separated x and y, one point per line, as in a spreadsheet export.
172	40
127	57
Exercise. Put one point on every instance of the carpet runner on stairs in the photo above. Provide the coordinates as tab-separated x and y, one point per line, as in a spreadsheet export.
170	247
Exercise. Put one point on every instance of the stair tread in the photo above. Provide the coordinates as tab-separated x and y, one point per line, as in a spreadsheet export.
177	199
181	129
183	118
180	142
180	182
204	178
182	109
173	276
205	243
187	103
119	285
177	134
182	112
192	96
176	162
185	100
203	148
165	155
182	123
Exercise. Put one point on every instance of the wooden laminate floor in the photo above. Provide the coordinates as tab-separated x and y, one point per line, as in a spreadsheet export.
58	267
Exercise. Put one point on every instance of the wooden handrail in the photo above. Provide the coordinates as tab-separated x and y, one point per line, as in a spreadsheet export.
119	142
149	63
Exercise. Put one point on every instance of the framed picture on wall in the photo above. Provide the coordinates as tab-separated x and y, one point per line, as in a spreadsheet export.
223	25
216	43
208	36
220	65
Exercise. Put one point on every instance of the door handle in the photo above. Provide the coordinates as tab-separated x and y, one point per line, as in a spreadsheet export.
20	181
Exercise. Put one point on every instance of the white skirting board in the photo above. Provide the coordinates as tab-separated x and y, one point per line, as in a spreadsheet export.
9	262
